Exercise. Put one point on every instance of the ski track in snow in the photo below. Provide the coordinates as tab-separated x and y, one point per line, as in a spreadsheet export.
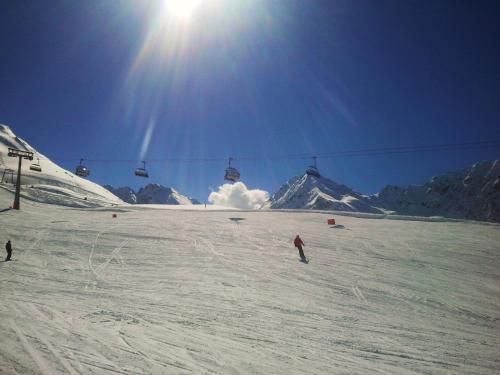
179	292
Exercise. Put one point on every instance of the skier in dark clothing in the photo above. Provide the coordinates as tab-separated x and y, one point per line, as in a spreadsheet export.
298	244
8	247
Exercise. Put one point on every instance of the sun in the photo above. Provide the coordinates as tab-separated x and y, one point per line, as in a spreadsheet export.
181	9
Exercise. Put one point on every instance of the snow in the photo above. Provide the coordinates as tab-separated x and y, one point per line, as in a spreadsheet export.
192	207
156	193
125	193
472	193
319	193
176	291
54	184
151	193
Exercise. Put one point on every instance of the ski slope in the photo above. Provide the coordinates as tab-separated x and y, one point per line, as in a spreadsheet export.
160	291
53	184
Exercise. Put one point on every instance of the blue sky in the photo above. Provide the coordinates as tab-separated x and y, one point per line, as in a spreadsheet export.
253	79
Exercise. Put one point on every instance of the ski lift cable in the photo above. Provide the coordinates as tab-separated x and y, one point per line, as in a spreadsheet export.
417	148
334	154
388	150
326	155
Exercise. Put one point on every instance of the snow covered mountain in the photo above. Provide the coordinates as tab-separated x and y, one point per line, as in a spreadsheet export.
158	194
320	193
126	194
472	193
52	184
151	194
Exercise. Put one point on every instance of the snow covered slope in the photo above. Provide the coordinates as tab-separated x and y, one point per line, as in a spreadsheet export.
151	194
53	184
320	193
472	193
204	292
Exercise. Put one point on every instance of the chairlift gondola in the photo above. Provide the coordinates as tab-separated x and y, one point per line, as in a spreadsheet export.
5	176
312	170
142	172
232	173
82	170
36	166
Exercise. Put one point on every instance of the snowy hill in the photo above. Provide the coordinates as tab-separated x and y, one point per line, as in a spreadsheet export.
157	291
472	193
320	193
151	194
53	184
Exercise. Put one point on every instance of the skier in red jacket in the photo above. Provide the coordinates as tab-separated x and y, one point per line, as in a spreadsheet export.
298	244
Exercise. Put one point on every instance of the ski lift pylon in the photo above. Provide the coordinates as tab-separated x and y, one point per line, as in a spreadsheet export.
232	173
141	171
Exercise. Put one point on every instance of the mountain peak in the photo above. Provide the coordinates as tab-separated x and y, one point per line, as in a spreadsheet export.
152	193
470	193
320	193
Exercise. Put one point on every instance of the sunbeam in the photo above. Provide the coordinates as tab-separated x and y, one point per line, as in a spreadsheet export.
181	8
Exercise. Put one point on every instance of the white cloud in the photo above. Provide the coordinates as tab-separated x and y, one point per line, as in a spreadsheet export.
237	195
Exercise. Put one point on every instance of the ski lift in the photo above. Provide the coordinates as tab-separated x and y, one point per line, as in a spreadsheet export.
312	170
82	170
5	176
232	173
36	166
142	172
